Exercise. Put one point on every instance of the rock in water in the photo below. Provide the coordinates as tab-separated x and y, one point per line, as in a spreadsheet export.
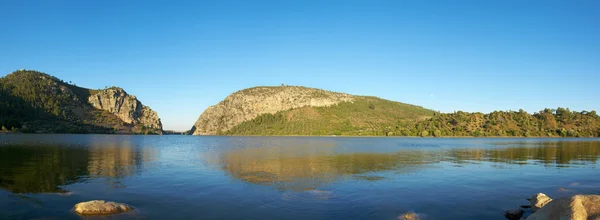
514	214
538	201
101	207
579	207
409	216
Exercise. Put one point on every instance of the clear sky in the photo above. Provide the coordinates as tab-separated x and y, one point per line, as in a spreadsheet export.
180	57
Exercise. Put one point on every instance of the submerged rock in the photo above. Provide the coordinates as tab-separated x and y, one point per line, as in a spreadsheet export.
538	201
525	206
409	216
101	207
579	207
514	214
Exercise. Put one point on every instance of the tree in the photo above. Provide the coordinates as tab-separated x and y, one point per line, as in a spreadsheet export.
437	133
424	133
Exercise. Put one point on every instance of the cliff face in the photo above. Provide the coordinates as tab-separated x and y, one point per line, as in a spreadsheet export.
247	104
127	107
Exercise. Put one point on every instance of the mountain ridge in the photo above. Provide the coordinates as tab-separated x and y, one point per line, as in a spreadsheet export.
34	101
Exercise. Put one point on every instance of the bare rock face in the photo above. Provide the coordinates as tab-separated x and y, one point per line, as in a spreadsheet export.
127	107
101	207
538	201
247	104
579	207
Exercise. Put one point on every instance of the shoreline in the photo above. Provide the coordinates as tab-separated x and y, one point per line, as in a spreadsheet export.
336	136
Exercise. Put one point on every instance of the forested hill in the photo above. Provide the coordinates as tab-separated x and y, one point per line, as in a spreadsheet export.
371	116
32	101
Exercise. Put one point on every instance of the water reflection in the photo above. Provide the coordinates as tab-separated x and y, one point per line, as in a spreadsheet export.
30	169
309	166
35	168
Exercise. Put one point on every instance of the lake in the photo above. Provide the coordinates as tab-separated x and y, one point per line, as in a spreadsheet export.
195	177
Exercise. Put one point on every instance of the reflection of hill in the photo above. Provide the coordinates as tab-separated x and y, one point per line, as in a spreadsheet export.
116	159
32	168
306	167
39	169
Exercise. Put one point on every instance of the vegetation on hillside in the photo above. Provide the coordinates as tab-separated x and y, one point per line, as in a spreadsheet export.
363	116
377	117
560	122
32	101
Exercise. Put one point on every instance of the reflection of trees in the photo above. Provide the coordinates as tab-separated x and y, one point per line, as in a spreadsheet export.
568	152
40	169
307	167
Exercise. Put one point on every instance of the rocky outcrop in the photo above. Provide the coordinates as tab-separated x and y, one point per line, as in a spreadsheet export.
247	104
538	201
579	207
127	107
101	207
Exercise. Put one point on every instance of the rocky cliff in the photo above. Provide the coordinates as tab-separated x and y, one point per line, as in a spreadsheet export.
247	104
127	107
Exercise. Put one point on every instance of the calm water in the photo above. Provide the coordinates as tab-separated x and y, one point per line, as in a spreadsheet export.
184	177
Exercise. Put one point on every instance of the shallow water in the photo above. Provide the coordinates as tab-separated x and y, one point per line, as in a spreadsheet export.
190	177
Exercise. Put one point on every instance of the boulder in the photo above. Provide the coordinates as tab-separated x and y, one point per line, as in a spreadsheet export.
101	207
409	216
579	207
538	201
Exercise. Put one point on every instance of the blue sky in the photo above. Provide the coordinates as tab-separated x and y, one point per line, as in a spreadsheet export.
179	57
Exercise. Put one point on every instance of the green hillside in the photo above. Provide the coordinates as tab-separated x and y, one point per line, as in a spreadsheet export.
371	116
363	116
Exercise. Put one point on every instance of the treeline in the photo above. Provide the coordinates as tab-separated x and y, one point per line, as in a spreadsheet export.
560	122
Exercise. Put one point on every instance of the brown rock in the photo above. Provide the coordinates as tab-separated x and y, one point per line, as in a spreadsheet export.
538	201
409	216
579	207
101	207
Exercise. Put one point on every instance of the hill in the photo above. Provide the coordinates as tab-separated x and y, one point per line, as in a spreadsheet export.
295	110
32	101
